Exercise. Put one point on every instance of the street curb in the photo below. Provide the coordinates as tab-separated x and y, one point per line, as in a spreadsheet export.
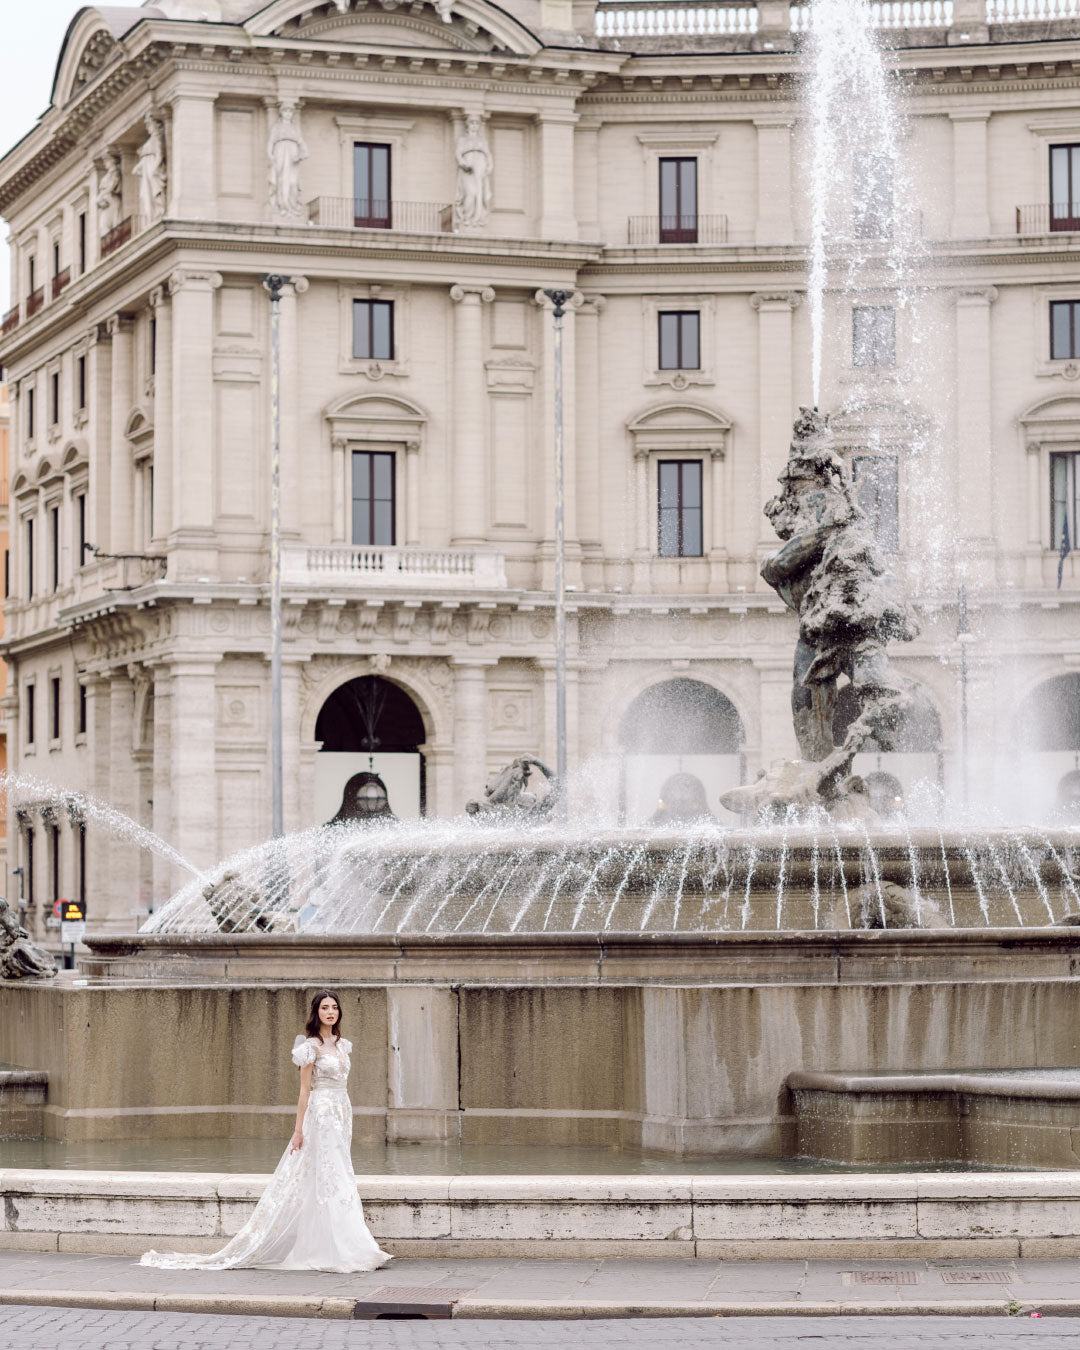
524	1310
248	1305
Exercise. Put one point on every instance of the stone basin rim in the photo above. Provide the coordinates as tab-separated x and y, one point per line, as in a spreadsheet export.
917	1081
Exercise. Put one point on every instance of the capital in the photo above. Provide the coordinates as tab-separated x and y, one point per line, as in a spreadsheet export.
775	300
119	324
472	295
195	281
975	295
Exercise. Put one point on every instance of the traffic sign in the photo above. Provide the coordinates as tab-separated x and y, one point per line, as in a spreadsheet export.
71	911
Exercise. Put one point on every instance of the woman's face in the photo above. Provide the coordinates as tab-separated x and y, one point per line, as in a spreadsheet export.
329	1012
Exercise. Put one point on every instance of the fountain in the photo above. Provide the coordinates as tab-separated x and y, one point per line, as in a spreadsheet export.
690	988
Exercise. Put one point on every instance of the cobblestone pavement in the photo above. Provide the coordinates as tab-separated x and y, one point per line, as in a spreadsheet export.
56	1328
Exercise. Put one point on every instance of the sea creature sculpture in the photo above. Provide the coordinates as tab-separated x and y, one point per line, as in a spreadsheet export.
21	959
507	795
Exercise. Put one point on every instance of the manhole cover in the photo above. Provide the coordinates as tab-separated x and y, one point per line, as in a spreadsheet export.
978	1276
881	1277
415	1293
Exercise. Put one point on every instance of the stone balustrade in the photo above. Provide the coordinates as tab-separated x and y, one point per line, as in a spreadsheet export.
364	566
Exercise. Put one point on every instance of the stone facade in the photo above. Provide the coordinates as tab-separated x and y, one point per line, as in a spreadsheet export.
177	167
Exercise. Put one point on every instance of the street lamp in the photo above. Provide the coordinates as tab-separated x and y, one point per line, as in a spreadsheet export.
964	636
275	284
559	301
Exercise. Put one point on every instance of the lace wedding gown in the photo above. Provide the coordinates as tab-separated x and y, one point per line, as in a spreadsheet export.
310	1216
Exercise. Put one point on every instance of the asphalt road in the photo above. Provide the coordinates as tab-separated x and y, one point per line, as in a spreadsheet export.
24	1328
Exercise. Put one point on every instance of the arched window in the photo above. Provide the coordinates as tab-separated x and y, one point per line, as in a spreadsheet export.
370	728
1049	718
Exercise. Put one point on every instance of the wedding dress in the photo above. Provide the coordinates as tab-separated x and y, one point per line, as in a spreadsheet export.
310	1216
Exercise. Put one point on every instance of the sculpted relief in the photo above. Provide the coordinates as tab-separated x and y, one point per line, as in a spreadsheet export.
285	151
474	165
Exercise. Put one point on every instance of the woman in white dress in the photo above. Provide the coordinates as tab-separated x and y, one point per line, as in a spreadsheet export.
310	1216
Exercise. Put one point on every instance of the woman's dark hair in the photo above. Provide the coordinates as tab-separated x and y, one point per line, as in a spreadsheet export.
312	1028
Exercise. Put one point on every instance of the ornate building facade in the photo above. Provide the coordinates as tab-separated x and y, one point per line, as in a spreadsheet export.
420	173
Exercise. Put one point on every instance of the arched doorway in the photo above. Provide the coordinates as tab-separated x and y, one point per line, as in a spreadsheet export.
1048	738
915	756
370	726
678	727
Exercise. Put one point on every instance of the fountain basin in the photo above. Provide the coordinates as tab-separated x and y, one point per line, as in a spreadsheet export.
718	1217
1007	1118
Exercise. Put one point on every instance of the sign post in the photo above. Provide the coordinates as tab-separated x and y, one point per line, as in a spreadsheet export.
72	924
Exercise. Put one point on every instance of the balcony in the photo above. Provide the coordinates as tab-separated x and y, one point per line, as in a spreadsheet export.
1062	217
117	236
34	301
642	231
348	213
645	18
10	322
361	568
61	280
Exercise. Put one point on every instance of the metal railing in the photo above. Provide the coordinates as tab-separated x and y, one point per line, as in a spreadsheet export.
393	566
1047	219
348	213
61	280
10	321
34	301
118	235
645	230
642	18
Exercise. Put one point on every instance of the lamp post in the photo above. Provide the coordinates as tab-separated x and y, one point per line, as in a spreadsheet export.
559	301
274	284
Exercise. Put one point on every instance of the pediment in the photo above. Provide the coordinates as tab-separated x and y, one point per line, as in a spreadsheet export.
386	31
1053	410
679	417
462	25
138	425
91	43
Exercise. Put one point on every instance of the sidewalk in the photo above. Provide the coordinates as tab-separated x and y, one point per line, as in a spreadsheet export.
538	1288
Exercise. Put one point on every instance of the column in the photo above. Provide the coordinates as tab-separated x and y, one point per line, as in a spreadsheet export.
194	780
557	216
120	398
587	178
470	733
339	480
167	877
590	526
975	457
774	221
291	668
719	513
120	888
98	386
971	214
642	516
412	492
100	845
161	525
470	492
193	496
292	480
775	409
192	154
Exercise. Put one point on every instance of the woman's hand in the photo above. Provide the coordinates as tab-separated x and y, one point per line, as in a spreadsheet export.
297	1141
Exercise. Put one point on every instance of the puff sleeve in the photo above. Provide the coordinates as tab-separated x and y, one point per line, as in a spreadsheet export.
303	1052
345	1046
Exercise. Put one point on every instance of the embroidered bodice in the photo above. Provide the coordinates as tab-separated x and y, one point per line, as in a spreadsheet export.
331	1062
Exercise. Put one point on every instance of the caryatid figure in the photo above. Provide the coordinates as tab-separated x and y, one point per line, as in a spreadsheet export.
285	150
475	164
150	171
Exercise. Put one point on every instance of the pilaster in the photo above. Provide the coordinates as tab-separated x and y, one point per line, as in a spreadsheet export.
194	760
470	477
556	134
775	396
587	414
193	481
971	213
192	156
470	732
163	415
973	413
120	329
774	217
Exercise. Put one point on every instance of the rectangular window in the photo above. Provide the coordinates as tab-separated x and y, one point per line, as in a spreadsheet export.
7	572
81	724
54	547
80	381
54	708
872	200
29	560
31	729
873	335
373	330
679	482
80	836
80	516
28	866
1064	499
30	413
1065	187
82	242
54	862
678	201
1064	329
31	273
56	258
153	346
373	498
680	340
54	398
878	493
371	185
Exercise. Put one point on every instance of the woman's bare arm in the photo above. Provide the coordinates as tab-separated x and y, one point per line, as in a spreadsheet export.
297	1140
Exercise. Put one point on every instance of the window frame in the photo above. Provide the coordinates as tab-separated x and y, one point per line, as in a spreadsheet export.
356	452
56	711
372	302
1070	459
371	219
30	718
872	363
1074	329
860	456
682	511
1071	219
682	231
681	317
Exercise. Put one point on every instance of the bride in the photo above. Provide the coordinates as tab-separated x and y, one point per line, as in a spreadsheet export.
310	1216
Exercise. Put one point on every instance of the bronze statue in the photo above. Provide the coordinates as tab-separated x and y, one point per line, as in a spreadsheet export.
507	795
21	959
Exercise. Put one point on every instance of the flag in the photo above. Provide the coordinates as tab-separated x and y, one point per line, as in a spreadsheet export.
1066	546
